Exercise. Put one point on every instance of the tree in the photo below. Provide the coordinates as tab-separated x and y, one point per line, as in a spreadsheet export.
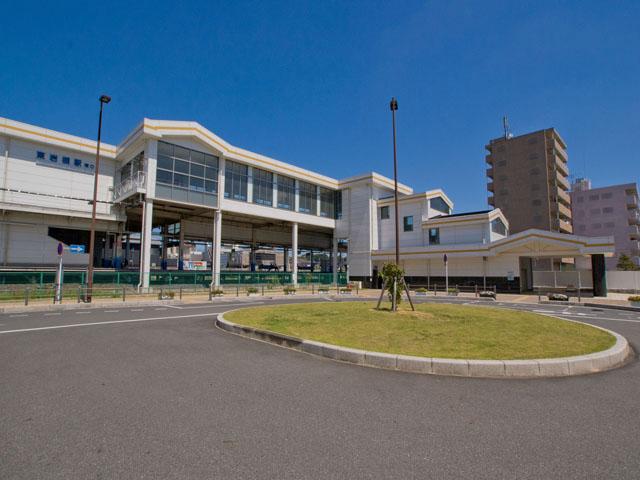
392	275
625	263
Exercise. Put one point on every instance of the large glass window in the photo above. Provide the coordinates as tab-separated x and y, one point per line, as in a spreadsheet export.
384	213
286	192
407	223
186	175
497	226
308	198
440	205
327	198
235	180
262	187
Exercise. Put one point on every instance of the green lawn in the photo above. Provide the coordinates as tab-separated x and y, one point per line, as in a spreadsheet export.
434	330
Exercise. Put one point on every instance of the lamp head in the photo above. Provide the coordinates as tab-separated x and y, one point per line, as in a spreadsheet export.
393	104
105	98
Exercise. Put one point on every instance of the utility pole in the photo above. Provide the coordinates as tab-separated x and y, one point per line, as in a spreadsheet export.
394	106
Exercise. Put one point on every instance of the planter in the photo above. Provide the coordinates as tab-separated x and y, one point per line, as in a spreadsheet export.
558	297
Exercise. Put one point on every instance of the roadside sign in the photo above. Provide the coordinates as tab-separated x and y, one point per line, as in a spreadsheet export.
60	249
76	249
445	258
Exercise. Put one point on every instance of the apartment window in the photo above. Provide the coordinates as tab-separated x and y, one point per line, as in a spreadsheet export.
607	210
407	223
498	226
308	198
607	195
434	236
235	181
532	141
286	192
594	211
53	158
384	213
501	163
537	219
327	199
501	148
533	156
40	155
594	197
66	160
502	178
596	226
503	193
262	187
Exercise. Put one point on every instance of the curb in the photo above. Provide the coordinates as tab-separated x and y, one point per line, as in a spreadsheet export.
591	305
611	358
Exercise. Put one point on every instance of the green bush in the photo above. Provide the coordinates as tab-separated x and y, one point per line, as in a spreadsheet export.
421	290
217	292
634	298
392	273
289	290
251	290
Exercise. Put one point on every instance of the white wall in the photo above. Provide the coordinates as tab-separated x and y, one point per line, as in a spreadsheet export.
460	266
626	281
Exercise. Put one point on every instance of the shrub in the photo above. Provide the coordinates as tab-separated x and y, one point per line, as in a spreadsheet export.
421	290
217	292
392	273
251	290
454	291
634	298
487	294
166	295
289	290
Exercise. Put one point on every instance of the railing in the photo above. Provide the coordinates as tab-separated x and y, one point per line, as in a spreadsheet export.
41	279
562	279
131	184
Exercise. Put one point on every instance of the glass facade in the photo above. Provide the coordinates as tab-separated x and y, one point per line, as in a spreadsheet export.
440	205
186	175
262	187
497	226
308	198
286	192
327	202
235	181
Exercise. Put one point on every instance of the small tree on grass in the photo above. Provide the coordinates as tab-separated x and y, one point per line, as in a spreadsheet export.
392	275
625	263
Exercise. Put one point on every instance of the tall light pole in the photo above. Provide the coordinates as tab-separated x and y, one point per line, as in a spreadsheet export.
394	106
92	236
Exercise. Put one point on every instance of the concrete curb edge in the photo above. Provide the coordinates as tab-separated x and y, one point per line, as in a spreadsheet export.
611	358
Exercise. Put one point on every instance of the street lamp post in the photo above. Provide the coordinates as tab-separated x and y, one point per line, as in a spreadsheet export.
92	236
394	106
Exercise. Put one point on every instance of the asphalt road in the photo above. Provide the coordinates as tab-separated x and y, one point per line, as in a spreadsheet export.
159	392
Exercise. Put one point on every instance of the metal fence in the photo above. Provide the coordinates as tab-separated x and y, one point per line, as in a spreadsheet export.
124	278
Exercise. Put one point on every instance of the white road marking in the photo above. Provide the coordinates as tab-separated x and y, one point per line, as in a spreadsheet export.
546	311
604	318
55	327
111	311
18	315
82	313
160	309
137	309
50	314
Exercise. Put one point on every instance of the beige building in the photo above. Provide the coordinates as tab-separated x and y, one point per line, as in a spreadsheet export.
527	181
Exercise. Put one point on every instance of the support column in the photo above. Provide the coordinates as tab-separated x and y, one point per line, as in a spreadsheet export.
294	253
285	258
145	244
215	248
599	272
181	247
334	260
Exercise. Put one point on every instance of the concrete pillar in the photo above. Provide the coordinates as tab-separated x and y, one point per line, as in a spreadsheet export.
334	260
294	253
215	248
165	243
275	191
599	272
127	249
296	202
181	247
249	184
285	258
145	243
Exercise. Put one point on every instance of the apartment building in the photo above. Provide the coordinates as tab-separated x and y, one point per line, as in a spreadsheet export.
611	210
527	180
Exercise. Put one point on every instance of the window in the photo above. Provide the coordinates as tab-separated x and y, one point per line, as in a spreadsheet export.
594	197
610	225
607	195
308	198
40	155
498	226
407	223
533	156
580	199
77	162
594	211
384	213
338	204
503	192
434	236
596	225
286	192
440	205
607	210
66	160
262	187
235	181
532	141
327	199
53	158
501	163
179	169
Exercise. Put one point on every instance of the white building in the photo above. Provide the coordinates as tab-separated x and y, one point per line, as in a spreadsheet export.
181	180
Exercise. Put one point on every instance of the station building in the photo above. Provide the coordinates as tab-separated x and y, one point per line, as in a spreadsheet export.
173	182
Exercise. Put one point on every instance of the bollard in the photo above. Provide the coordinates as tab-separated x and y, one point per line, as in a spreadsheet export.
180	293
237	291
435	290
312	289
79	293
476	289
263	289
26	296
210	294
124	294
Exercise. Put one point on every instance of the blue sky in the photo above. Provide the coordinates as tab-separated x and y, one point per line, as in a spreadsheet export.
310	82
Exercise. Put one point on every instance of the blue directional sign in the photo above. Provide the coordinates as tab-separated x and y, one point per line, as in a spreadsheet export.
76	248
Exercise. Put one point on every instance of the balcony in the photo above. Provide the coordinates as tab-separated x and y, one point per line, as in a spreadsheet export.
490	187
492	201
564	198
561	181
563	226
562	166
490	173
632	201
562	209
137	183
489	159
634	217
634	232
